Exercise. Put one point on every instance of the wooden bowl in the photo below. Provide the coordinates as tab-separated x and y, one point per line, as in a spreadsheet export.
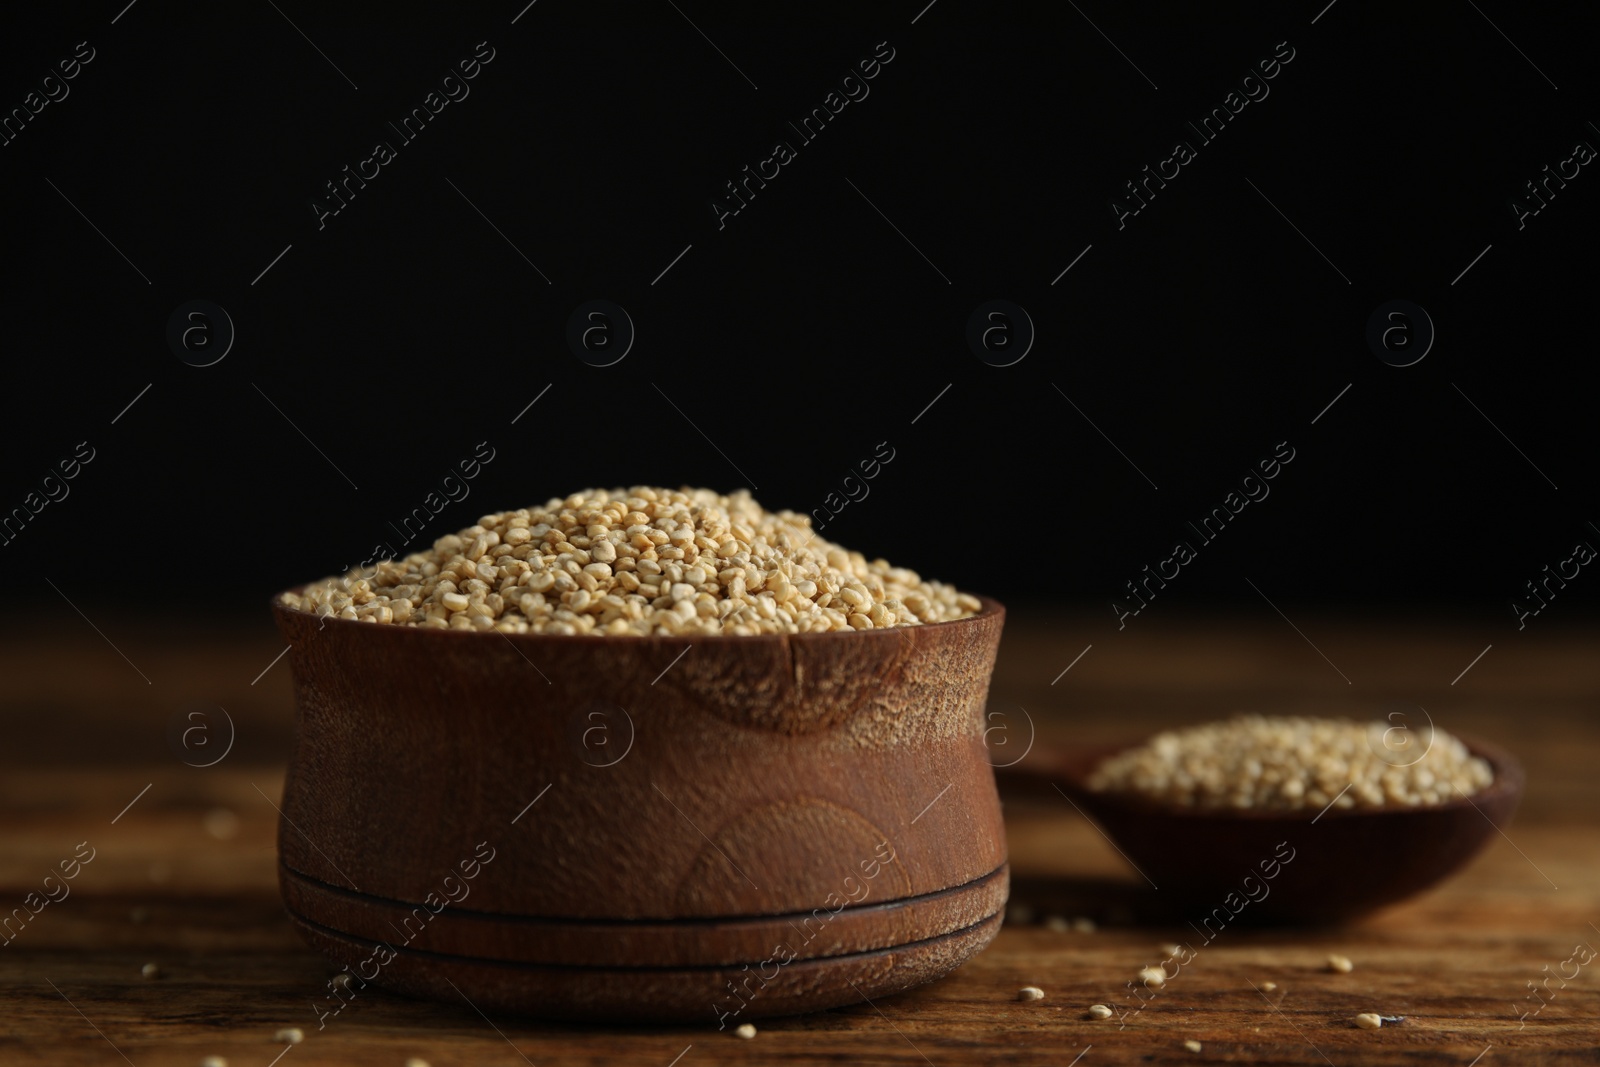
1327	867
661	828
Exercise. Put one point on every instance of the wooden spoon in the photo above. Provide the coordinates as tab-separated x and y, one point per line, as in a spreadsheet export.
1220	867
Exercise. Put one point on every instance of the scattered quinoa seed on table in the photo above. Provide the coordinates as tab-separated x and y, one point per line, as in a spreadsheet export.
1368	1020
1340	964
1099	1011
638	561
1290	763
1030	992
745	1030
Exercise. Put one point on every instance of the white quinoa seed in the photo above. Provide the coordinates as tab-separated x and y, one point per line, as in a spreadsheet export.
151	970
1192	1045
1057	923
1099	1011
291	1035
1154	977
214	1061
1269	987
745	1030
1083	925
1340	964
221	823
1030	992
1369	1020
417	1061
1290	763
635	562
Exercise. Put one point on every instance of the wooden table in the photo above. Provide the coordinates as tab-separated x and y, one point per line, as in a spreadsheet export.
185	876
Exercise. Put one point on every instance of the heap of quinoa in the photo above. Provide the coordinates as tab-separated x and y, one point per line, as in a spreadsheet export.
638	561
1293	763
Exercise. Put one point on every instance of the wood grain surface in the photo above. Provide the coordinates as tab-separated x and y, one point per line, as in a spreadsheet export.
185	877
846	772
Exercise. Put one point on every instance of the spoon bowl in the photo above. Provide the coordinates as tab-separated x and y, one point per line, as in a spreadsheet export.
1226	866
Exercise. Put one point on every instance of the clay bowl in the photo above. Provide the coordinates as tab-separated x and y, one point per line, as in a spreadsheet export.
1326	868
687	828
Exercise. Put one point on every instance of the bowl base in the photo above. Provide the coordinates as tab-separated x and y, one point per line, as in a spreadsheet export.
727	995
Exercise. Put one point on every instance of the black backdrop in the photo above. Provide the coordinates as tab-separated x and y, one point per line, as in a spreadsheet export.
779	349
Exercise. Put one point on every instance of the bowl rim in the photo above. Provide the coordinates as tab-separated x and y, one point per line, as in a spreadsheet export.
1509	782
989	608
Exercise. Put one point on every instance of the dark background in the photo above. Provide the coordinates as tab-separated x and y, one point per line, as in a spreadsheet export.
808	330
